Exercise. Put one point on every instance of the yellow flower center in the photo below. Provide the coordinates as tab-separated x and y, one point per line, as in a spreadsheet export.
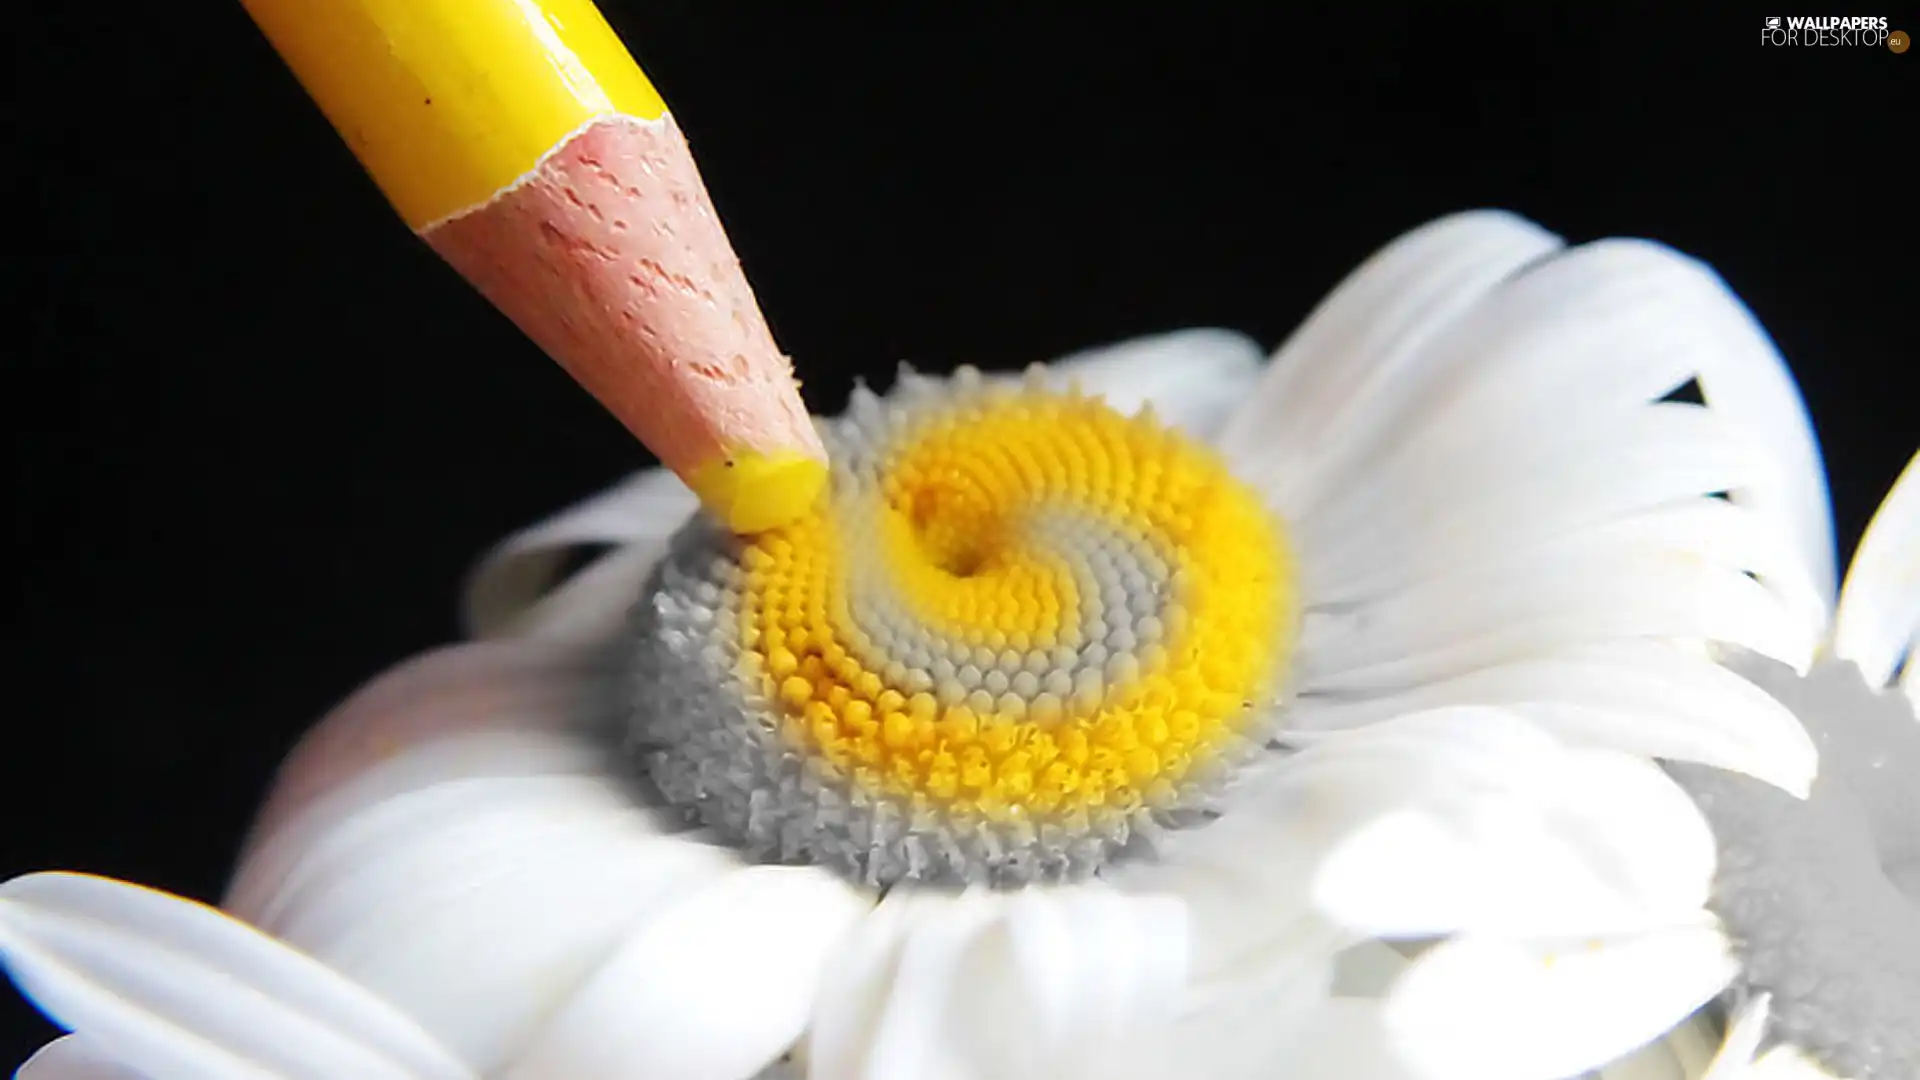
1018	606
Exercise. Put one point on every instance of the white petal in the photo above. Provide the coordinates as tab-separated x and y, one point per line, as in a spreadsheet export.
1720	534
1048	982
1432	823
855	988
1879	615
508	592
1250	876
494	708
592	605
1269	1018
1577	591
1748	383
908	1040
718	987
1604	329
73	1057
1246	880
1553	375
1610	325
1495	1008
1641	697
421	838
1536	416
1342	383
189	993
1430	508
1078	972
1193	379
479	905
1530	838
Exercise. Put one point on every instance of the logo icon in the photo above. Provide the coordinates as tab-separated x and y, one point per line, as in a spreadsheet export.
1773	22
1898	41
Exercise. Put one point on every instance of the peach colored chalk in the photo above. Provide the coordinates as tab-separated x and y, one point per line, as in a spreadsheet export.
610	257
522	141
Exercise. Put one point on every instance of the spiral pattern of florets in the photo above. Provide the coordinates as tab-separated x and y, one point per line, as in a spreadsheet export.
1019	632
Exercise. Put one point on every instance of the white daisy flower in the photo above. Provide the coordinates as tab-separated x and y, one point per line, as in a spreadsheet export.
1805	923
1057	743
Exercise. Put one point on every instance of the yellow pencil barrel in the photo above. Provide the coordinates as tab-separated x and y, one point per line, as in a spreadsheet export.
446	102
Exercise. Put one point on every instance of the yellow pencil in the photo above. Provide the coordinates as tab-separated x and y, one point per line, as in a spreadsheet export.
521	141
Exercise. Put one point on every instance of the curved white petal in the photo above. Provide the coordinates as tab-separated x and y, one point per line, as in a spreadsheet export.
1496	1008
1748	383
1580	590
1879	615
1289	1013
1433	508
718	987
1359	364
74	1057
1608	327
1256	878
479	906
1084	970
593	604
1471	819
888	1032
1047	982
1193	379
1246	881
189	993
452	839
854	990
1426	824
1528	419
1614	324
486	709
1275	1021
1718	534
1642	697
1538	417
509	591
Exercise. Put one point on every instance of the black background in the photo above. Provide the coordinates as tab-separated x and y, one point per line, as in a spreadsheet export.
260	431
